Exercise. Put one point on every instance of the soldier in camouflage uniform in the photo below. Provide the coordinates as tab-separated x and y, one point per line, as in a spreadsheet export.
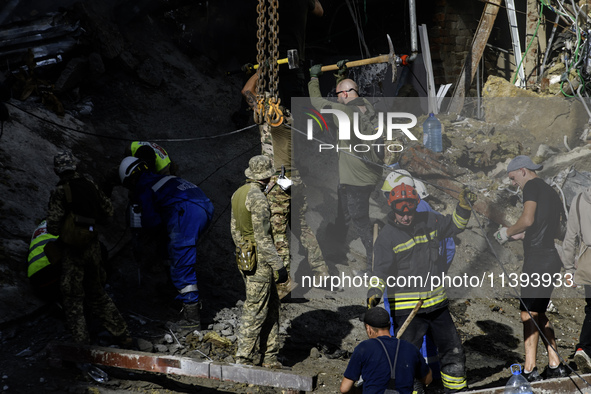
280	201
80	281
276	144
260	313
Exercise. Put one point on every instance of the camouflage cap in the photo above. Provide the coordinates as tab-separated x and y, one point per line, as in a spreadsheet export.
64	161
259	167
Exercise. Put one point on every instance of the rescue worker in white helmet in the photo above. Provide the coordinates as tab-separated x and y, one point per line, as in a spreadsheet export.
403	249
185	211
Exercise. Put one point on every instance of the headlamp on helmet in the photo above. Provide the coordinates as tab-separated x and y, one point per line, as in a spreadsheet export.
404	199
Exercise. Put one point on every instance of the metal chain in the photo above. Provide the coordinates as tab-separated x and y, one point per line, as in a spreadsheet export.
274	115
268	71
261	49
274	47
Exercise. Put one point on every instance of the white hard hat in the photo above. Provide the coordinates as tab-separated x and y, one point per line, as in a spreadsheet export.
129	165
421	189
395	178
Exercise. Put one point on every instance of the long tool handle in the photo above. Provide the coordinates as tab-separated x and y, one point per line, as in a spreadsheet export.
409	318
279	61
376	229
362	62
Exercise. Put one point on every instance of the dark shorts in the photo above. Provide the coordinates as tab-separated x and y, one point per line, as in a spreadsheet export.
539	268
534	304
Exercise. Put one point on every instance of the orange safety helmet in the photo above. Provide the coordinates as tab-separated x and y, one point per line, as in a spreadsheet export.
404	199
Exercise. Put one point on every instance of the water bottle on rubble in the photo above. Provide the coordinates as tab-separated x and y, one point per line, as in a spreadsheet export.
432	133
517	384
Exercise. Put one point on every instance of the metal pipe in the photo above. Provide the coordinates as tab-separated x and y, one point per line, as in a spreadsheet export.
414	46
478	91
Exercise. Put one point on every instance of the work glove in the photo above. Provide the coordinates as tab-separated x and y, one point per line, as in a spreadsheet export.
343	69
316	71
501	235
247	68
467	199
281	275
373	297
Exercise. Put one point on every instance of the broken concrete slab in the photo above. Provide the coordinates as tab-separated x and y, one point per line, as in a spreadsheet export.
548	119
173	365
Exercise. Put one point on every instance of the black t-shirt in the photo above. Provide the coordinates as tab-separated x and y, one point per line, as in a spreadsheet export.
546	224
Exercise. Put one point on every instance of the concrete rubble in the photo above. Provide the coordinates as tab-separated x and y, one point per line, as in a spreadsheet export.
476	152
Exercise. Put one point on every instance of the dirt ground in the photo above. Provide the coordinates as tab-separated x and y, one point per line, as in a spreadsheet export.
319	328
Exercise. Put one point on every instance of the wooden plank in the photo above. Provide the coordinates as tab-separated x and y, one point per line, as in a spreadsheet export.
532	57
489	14
432	95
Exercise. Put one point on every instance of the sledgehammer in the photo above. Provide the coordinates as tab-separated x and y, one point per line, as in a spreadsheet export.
292	60
389	58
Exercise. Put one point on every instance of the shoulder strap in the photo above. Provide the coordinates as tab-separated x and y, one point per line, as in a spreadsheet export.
393	376
392	367
386	351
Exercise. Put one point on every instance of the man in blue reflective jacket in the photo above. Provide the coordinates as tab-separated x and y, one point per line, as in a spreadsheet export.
186	213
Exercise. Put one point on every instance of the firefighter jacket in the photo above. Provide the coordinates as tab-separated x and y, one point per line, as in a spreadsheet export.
405	258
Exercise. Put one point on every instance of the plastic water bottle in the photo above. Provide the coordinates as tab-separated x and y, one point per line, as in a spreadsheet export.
517	383
432	133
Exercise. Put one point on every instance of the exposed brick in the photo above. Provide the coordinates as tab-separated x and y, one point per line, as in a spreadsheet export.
439	17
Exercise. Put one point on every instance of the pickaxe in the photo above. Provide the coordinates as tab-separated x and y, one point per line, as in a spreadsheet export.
389	58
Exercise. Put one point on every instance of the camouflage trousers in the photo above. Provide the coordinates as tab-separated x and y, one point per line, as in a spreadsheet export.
280	203
260	321
266	140
82	281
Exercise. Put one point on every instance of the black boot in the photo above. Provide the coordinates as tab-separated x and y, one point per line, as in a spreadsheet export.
191	313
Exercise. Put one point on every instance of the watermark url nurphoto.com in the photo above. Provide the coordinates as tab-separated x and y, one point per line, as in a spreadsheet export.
431	282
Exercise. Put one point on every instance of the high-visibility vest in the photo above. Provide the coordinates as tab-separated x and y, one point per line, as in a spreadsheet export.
162	159
37	259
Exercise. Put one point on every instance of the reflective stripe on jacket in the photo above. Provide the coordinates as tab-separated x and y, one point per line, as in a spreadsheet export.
405	258
37	259
162	159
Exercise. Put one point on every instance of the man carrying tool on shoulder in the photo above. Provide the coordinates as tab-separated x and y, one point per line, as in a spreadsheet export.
408	246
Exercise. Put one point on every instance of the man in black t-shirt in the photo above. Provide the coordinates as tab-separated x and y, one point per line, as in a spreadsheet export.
537	226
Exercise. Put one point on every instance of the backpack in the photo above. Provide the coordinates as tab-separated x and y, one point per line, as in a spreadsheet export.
391	389
76	230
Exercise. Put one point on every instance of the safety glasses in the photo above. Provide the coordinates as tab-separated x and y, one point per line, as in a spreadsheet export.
404	206
347	91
